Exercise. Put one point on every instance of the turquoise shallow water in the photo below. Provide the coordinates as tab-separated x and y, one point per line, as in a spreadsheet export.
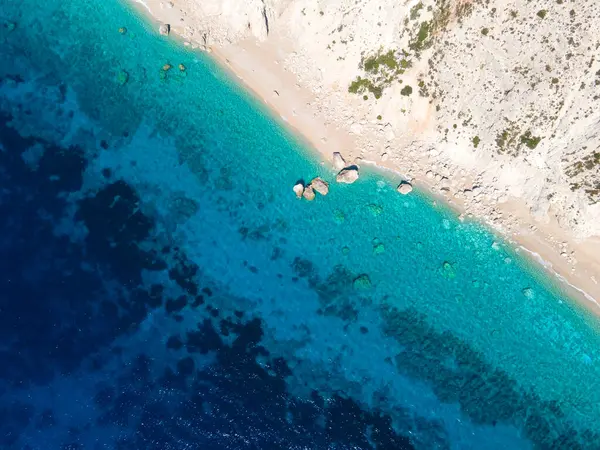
164	207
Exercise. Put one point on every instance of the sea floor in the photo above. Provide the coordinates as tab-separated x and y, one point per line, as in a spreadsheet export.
162	288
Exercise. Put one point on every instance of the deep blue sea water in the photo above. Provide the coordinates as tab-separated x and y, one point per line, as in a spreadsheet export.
162	288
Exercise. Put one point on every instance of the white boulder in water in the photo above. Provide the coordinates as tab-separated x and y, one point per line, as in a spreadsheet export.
405	188
299	190
338	161
309	193
348	175
319	185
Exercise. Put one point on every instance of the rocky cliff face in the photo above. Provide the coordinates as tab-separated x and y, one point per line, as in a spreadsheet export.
502	96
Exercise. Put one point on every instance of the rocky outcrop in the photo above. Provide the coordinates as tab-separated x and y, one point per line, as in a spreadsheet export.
348	175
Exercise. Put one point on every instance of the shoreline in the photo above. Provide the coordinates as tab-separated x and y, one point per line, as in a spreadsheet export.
261	72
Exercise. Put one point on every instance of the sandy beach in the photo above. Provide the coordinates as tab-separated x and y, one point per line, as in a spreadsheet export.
261	67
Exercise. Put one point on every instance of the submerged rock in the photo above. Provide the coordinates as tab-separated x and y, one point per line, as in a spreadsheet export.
338	161
375	209
166	67
448	270
322	187
405	188
122	77
123	30
378	246
182	67
362	282
309	193
339	216
299	190
348	175
164	29
528	292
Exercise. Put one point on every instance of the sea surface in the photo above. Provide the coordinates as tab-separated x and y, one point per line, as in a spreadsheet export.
162	288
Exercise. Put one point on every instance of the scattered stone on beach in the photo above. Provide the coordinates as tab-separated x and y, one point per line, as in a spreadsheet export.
182	67
338	161
166	67
299	190
123	30
164	29
122	77
309	193
362	282
405	188
348	175
319	185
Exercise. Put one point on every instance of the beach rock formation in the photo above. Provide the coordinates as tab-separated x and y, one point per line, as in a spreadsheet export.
348	175
338	161
298	190
309	193
526	128
404	188
320	186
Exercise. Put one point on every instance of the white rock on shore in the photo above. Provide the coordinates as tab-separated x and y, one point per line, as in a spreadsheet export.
164	29
338	161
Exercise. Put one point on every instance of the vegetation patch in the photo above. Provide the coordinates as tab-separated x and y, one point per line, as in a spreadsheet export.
406	90
414	11
586	173
476	141
542	13
423	35
529	140
380	71
422	41
507	139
